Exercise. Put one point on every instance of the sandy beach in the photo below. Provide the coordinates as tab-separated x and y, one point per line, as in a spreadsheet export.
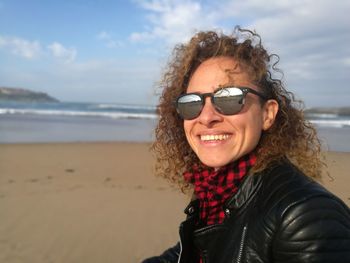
96	202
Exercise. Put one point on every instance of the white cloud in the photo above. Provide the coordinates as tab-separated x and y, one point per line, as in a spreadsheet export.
34	50
312	40
142	36
109	41
275	20
21	47
59	51
173	21
310	37
347	61
103	35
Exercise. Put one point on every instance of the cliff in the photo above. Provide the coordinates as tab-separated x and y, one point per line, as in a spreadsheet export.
25	95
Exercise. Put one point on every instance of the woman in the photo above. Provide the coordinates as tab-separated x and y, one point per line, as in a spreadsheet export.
232	134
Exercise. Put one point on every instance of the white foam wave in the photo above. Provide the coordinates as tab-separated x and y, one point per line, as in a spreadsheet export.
323	115
122	106
113	115
332	123
336	123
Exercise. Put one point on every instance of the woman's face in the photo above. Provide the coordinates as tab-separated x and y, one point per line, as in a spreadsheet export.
220	139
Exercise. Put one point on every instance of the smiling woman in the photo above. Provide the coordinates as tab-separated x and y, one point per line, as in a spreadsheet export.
239	60
236	139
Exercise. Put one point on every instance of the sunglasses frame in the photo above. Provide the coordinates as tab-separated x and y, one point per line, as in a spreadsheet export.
203	96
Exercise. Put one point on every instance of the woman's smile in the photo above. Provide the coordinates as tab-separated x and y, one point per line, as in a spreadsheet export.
214	137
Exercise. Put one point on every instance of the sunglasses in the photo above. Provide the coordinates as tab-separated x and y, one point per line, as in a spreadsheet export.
227	101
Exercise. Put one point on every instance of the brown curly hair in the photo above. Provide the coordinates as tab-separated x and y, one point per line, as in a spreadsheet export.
290	136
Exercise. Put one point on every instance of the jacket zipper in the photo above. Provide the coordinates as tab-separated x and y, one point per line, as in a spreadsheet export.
240	251
179	258
180	253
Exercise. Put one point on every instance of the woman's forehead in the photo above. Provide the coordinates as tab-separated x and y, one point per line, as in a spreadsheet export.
216	72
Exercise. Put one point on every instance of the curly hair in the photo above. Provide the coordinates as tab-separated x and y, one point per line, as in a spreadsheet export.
291	136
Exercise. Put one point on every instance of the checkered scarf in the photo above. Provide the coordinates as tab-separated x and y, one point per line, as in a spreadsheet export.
213	188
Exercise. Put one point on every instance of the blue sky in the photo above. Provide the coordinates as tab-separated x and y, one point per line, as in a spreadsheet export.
114	51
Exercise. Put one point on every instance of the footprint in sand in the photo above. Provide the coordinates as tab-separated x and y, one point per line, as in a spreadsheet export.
107	179
33	180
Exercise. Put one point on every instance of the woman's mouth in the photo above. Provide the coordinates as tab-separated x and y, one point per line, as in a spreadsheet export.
214	137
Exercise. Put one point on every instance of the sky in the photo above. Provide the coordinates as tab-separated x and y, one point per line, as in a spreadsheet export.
115	51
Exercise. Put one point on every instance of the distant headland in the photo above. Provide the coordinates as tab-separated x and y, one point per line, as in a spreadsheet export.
24	95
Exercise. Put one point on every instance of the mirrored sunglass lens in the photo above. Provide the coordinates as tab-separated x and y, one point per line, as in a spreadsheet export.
189	106
229	100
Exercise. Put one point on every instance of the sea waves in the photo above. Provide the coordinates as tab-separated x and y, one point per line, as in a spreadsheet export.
125	111
112	111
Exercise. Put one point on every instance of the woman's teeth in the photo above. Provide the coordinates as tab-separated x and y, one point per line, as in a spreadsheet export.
220	137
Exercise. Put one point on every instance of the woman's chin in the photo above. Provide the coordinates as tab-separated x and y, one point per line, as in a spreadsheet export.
215	163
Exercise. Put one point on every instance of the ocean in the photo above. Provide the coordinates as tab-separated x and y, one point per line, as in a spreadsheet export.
107	122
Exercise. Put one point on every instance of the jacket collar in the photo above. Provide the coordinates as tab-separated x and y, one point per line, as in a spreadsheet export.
248	188
246	191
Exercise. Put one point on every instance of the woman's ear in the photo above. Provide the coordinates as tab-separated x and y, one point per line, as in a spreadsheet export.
270	109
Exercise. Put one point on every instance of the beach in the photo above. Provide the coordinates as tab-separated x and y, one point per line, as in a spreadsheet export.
84	203
97	202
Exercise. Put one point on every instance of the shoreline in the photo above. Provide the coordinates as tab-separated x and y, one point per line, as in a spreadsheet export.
28	128
96	202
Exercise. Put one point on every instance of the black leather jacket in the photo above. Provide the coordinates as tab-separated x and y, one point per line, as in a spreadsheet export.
279	215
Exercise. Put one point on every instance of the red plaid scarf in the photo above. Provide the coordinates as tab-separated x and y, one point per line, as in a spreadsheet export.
213	188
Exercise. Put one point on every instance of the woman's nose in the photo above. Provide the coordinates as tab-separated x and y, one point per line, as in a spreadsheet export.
209	115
